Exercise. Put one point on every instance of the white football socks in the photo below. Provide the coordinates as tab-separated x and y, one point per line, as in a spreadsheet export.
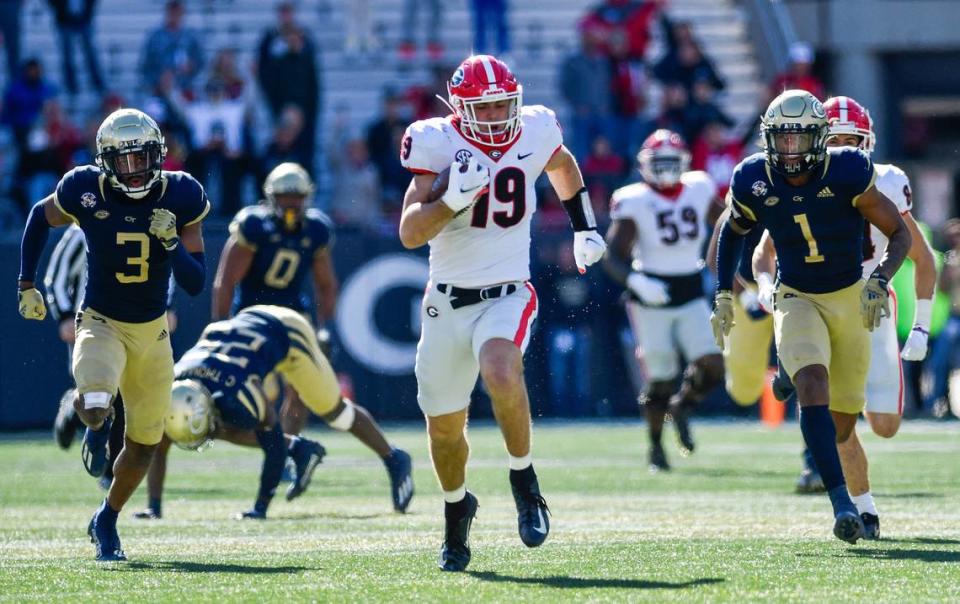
455	495
865	504
521	463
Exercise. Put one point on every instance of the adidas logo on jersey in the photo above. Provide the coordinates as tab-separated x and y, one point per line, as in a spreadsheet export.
825	192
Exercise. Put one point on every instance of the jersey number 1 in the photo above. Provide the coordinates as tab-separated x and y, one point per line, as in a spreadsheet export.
814	255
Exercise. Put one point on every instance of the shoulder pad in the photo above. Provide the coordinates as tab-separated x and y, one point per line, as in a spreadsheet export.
543	121
320	227
247	225
895	184
624	200
425	146
186	196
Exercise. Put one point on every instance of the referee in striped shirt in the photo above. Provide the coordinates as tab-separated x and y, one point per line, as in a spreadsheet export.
64	282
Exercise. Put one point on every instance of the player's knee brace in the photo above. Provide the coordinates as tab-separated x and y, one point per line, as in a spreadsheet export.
93	408
344	419
657	395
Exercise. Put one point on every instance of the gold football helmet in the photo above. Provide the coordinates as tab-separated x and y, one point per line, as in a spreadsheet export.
130	151
292	182
794	130
192	417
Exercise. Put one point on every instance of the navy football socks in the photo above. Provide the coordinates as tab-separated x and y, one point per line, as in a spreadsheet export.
821	437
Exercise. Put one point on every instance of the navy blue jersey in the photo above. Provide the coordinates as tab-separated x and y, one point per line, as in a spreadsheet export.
816	228
229	355
750	243
128	271
281	260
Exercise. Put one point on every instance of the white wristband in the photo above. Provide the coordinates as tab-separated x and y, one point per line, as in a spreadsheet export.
921	316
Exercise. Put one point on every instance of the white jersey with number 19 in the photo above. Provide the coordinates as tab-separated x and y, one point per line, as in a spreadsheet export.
892	182
488	243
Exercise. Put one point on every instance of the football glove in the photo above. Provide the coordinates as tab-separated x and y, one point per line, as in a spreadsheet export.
163	226
652	292
916	347
31	304
874	301
722	318
467	182
588	248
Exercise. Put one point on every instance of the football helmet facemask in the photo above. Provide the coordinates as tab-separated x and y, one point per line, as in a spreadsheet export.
794	131
846	116
482	79
294	184
663	159
130	152
191	419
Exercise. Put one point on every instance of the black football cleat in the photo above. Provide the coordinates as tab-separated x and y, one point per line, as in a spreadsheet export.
810	482
871	526
253	514
455	551
533	515
658	459
67	422
681	422
94	450
106	540
306	455
848	526
148	514
400	469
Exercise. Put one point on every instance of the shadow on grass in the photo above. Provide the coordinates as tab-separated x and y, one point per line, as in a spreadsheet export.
180	566
586	583
198	492
913	495
924	540
920	555
331	516
732	473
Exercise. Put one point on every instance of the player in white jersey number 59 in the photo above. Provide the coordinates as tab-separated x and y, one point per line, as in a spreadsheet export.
656	240
479	305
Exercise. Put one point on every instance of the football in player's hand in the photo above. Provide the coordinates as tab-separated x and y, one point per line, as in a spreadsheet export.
439	185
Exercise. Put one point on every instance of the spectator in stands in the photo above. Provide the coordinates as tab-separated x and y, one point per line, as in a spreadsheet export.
283	144
23	101
701	110
164	104
490	16
943	353
172	47
224	68
629	85
360	39
51	146
603	171
75	22
799	74
383	141
217	157
10	34
408	46
423	100
623	23
585	85
717	153
288	75
355	200
673	108
684	60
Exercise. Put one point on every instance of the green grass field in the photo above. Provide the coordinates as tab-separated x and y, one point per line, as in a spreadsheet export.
723	526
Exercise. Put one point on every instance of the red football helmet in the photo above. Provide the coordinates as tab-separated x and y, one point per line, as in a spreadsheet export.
485	79
663	158
846	116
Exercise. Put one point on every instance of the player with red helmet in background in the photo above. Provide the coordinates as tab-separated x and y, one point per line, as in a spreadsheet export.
654	250
850	125
479	305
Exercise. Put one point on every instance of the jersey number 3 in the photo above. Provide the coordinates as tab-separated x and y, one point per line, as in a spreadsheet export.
139	260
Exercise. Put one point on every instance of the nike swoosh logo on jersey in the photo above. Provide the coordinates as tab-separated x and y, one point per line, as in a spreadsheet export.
542	527
462	190
524	156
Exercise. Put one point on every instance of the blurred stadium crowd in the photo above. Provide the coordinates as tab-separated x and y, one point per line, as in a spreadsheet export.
228	124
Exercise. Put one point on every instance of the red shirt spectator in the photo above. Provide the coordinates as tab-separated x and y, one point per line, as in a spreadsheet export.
799	75
602	172
717	154
624	19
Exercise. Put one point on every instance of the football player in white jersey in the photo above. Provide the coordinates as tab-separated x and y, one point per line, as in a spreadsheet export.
655	244
479	305
852	126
